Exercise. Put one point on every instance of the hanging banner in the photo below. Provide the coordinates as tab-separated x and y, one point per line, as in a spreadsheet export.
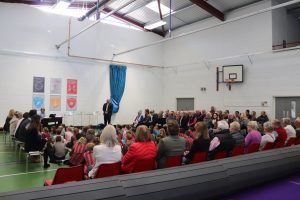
55	86
71	86
71	103
38	84
38	101
55	103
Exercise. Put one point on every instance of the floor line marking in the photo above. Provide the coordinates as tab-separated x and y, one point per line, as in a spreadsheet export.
8	175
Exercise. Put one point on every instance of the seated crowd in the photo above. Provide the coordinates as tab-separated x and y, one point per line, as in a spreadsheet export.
155	136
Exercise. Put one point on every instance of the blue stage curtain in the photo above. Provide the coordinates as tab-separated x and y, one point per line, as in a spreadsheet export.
117	84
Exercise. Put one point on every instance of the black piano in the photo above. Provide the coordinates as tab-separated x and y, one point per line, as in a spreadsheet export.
51	121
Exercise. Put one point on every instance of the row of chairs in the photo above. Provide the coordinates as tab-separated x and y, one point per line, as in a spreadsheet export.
71	174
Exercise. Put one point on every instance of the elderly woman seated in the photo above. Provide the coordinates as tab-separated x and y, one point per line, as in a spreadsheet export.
142	149
109	150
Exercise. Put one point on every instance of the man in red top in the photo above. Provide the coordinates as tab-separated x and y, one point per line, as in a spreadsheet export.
282	136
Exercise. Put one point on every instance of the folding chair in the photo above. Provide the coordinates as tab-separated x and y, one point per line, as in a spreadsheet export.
238	150
144	165
268	146
199	157
253	148
66	175
173	161
291	142
220	155
106	170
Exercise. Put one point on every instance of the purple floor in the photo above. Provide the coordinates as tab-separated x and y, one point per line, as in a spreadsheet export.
285	189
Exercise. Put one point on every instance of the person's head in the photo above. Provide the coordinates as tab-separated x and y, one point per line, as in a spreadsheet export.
35	122
253	113
173	127
268	127
263	113
25	115
109	136
32	113
82	140
128	135
252	126
297	122
42	110
91	131
201	130
247	112
162	133
58	139
85	129
140	112
142	134
286	121
75	131
237	113
45	130
147	112
11	113
70	129
276	123
18	114
90	146
107	100
234	127
208	115
222	125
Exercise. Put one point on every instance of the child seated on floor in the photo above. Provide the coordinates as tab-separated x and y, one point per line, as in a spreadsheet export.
59	149
88	159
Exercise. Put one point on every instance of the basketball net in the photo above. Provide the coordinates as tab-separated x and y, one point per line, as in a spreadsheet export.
228	83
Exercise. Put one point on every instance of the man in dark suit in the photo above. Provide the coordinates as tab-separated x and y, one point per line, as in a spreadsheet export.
107	111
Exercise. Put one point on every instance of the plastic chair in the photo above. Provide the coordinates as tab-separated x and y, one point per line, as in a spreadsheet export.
297	141
238	150
253	148
144	165
65	175
291	142
220	155
199	157
279	144
173	161
106	170
268	146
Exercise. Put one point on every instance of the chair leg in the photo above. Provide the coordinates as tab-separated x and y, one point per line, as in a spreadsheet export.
27	158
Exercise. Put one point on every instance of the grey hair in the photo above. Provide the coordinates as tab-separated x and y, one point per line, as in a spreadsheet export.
109	136
223	125
268	127
235	126
286	121
253	125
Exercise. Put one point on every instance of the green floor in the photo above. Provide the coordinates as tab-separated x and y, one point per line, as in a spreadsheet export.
13	175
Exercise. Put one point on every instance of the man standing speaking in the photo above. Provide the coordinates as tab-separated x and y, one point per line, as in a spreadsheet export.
107	111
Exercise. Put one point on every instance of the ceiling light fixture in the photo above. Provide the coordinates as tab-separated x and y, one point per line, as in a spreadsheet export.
154	6
155	25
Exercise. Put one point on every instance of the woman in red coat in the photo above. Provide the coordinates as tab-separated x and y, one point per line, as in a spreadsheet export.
142	149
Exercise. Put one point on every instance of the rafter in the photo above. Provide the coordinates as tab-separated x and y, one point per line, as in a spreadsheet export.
209	8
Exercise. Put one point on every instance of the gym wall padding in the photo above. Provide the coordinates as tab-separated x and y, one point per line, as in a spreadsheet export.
208	180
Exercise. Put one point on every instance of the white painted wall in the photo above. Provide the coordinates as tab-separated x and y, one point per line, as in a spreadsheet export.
34	32
265	76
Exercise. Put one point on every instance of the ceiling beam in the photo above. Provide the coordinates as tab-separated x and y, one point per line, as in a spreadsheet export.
130	21
210	9
161	17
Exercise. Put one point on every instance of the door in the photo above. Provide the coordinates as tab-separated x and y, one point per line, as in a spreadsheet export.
185	104
287	107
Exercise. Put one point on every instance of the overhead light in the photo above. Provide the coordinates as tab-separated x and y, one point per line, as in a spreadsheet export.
61	6
155	25
154	6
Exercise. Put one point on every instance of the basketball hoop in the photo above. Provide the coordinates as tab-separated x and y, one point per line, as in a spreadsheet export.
228	83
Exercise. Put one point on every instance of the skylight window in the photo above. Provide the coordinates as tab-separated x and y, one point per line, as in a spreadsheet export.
154	6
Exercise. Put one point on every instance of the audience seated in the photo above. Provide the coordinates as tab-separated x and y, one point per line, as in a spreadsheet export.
173	145
281	132
7	120
263	118
268	136
253	136
290	131
88	159
297	125
22	129
59	149
235	132
108	151
142	149
76	155
223	140
13	123
201	143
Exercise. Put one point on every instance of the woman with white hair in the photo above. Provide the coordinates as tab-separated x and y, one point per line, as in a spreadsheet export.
253	136
268	137
109	150
290	131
